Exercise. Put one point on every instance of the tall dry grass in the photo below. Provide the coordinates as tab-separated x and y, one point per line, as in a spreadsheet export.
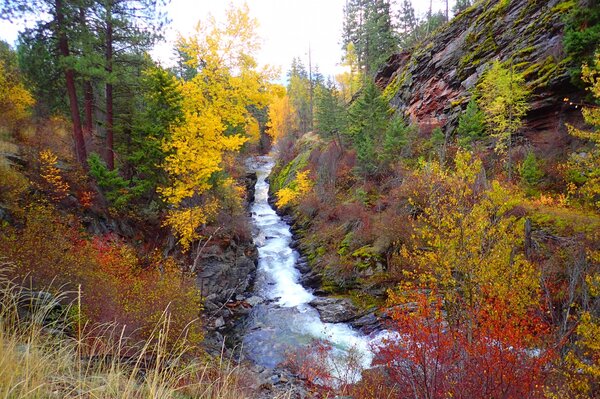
46	351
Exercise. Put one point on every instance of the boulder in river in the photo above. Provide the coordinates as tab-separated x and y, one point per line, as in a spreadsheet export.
334	310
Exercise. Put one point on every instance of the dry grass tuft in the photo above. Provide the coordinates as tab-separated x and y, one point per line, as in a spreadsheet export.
46	352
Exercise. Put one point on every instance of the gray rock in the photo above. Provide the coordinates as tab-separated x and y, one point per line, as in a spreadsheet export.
334	310
367	323
219	322
311	280
254	300
303	267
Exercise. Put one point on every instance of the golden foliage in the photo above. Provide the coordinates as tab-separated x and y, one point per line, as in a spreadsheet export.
13	186
585	167
467	242
15	100
503	101
350	80
296	190
53	181
283	118
217	119
185	222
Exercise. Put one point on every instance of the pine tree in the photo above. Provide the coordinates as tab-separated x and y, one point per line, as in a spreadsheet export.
299	89
61	29
396	138
530	171
471	124
123	24
408	24
368	119
461	5
329	115
368	26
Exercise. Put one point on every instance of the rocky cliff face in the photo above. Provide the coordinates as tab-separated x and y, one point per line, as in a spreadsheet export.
433	83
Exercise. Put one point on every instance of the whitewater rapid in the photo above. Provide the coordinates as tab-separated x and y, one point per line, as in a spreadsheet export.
286	321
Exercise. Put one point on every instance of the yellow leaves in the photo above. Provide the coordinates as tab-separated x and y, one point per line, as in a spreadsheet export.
186	222
466	242
467	168
283	118
58	188
13	186
252	130
15	100
217	120
503	101
350	80
585	168
297	189
583	365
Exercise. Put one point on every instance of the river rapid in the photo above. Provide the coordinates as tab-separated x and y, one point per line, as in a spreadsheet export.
286	322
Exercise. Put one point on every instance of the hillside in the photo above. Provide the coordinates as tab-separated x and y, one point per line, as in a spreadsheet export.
420	220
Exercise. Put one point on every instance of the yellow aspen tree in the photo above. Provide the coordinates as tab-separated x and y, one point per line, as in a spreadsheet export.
503	100
15	100
57	187
216	103
351	79
283	118
468	242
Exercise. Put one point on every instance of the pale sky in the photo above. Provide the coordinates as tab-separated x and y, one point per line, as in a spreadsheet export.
286	28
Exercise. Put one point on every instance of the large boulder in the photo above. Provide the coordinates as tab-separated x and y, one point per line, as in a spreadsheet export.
334	310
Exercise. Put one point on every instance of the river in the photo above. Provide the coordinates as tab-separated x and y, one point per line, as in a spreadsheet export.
286	322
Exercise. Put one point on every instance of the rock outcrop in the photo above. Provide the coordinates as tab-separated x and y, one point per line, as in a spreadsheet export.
334	310
433	84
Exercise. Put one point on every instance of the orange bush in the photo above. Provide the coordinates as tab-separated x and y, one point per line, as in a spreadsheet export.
51	249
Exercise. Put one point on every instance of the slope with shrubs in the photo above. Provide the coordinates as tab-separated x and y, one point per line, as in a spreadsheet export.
476	250
48	351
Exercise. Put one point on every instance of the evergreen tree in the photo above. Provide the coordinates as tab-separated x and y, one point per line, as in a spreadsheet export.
396	138
126	28
582	35
471	124
45	77
530	171
368	120
59	32
368	25
299	89
329	111
408	24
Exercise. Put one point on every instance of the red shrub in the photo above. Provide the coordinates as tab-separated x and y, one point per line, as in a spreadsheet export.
493	357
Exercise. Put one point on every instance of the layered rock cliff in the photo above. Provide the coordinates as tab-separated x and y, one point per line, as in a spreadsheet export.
433	83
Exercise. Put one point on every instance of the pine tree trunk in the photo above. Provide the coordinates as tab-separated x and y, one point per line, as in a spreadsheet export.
88	93
89	108
110	156
63	47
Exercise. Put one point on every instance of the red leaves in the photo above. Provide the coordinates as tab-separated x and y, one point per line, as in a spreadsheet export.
491	354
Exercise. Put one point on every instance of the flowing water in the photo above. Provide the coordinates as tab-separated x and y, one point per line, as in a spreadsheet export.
286	322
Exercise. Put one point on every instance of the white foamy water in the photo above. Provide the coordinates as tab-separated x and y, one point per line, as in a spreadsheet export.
286	321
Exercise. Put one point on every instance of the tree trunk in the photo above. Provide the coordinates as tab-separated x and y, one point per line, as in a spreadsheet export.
88	93
110	155
63	47
89	108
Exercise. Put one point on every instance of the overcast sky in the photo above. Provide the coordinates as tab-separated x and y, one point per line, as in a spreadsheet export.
286	28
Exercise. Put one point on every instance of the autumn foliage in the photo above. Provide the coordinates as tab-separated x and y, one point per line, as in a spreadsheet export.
116	286
495	355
